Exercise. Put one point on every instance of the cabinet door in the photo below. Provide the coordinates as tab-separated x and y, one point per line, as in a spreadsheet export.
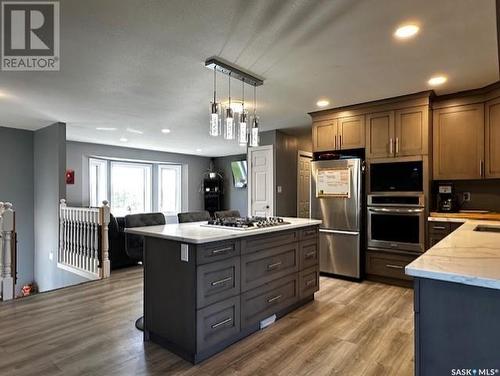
380	135
492	139
351	132
458	142
412	131
324	135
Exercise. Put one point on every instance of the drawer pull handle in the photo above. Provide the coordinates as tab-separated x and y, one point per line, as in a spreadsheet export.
223	322
310	232
394	266
310	282
221	281
222	250
273	299
438	228
274	266
310	254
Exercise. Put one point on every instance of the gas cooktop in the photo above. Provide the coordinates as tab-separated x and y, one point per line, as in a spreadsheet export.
248	223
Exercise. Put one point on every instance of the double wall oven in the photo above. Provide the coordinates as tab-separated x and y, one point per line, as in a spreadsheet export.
396	206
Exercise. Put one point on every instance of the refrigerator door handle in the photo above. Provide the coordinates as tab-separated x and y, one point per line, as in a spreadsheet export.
354	233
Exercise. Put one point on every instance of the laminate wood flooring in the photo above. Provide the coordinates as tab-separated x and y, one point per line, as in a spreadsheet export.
350	329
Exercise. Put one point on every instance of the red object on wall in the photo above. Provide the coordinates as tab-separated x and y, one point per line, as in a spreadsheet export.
70	177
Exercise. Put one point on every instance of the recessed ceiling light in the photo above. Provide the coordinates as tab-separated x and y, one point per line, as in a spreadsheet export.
123	139
322	103
198	150
437	80
165	130
134	131
406	31
105	129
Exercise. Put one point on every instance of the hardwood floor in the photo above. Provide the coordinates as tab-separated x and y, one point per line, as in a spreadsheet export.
350	329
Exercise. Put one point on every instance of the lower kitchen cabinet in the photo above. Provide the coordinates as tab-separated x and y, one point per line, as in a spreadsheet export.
389	266
438	230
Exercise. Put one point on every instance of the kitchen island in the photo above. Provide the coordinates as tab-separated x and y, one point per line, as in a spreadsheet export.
457	302
206	288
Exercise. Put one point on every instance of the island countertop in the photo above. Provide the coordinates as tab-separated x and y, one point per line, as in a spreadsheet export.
194	233
465	256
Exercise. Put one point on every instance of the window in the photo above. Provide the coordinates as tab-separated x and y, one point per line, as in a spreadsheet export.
130	188
98	181
169	189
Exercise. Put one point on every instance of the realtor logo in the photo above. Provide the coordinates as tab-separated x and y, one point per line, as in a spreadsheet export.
30	36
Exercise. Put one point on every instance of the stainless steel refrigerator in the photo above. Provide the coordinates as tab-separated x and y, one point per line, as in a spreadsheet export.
340	232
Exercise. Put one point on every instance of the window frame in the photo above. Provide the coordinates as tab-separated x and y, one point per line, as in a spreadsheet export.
178	199
99	163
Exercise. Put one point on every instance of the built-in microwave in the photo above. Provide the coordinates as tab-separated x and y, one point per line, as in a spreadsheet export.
401	176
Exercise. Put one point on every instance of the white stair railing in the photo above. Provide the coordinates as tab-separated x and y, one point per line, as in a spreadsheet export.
83	240
7	251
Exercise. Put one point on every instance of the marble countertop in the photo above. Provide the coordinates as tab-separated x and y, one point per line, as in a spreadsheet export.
446	219
195	233
465	256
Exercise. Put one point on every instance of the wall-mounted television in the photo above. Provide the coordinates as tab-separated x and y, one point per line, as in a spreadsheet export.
239	169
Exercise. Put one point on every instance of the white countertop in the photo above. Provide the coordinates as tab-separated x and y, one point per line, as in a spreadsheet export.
446	219
465	256
194	233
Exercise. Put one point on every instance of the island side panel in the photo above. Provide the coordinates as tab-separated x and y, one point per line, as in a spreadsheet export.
457	326
170	295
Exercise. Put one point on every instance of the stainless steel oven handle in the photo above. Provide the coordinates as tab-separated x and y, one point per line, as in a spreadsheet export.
395	210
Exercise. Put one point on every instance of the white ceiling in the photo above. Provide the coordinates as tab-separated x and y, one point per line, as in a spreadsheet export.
140	64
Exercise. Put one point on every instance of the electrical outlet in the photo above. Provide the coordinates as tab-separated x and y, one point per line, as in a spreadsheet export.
51	256
466	196
280	189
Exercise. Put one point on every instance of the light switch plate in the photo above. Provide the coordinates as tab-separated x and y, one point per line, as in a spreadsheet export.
185	252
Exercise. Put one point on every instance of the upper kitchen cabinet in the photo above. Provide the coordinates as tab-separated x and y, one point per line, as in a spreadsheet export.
324	135
351	132
459	142
412	131
380	134
492	139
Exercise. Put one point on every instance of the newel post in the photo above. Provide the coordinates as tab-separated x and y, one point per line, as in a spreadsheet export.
104	218
7	227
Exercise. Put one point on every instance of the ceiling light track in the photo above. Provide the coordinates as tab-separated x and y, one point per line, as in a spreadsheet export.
235	72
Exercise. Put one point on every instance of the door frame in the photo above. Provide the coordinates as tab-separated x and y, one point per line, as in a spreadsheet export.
308	154
249	167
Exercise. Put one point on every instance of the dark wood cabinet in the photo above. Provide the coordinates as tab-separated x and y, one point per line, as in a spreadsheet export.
199	299
389	266
438	230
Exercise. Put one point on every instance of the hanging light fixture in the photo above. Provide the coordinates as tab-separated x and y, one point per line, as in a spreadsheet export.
229	132
254	131
214	116
243	129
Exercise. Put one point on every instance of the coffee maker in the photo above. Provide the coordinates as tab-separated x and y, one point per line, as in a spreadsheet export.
447	199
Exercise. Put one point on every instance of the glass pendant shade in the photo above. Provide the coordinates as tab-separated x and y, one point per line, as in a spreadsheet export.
254	133
215	130
229	131
243	129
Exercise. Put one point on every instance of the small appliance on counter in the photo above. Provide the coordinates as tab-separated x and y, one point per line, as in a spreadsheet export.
447	199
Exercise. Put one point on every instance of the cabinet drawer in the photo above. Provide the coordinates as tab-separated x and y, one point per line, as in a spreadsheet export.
308	254
216	251
262	267
217	322
387	264
309	233
217	281
267	241
308	282
435	238
439	227
266	300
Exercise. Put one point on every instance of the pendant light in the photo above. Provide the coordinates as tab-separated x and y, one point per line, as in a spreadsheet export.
243	129
254	131
229	131
214	116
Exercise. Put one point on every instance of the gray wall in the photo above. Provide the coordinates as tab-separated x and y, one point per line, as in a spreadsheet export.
16	186
234	198
77	159
50	187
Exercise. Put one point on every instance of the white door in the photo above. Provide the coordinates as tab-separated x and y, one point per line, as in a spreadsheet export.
260	181
304	184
